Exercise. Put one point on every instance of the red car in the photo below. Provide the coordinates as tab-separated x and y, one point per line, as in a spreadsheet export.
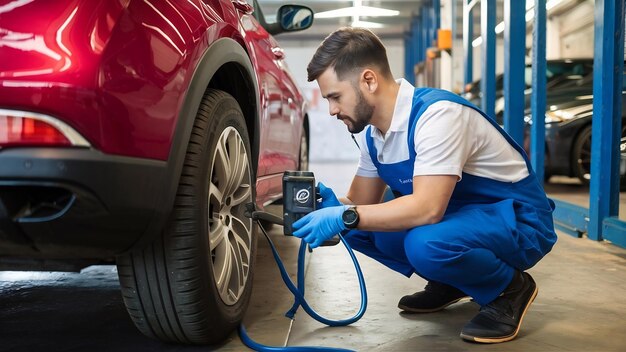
136	132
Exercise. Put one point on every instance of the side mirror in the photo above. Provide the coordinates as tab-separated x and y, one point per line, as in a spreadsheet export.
294	18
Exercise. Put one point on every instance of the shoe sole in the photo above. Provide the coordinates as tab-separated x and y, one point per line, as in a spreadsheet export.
503	338
432	310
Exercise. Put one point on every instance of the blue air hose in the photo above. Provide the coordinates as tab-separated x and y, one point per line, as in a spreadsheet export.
298	293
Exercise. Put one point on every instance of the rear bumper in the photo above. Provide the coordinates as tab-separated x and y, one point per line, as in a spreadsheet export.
75	203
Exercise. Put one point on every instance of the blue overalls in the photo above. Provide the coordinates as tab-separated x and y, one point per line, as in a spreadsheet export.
489	229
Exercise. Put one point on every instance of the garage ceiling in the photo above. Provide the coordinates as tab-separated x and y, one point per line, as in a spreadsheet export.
392	27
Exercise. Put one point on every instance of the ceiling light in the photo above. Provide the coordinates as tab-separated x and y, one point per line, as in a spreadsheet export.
552	3
364	11
530	15
500	27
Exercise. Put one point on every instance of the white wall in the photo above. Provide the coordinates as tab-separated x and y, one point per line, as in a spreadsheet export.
478	58
330	140
576	31
568	35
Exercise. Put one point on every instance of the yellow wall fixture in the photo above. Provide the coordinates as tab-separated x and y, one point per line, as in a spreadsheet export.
444	39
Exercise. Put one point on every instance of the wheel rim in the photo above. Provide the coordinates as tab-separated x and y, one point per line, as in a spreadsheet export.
230	232
304	153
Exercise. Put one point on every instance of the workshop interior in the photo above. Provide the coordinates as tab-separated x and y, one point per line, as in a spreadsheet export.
166	167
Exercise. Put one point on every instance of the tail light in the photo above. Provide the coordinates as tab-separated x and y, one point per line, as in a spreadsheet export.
24	129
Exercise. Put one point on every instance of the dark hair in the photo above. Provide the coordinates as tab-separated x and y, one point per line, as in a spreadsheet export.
349	50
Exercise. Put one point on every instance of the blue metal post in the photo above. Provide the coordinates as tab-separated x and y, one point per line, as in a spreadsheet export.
426	41
607	103
436	17
428	8
417	40
468	36
488	33
538	99
408	58
514	66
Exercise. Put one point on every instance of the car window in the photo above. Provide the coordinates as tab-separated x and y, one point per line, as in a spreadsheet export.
566	73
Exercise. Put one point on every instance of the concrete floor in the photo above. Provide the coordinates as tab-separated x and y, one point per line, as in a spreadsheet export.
580	306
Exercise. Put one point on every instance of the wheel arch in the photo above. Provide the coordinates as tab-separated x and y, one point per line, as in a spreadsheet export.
225	65
305	127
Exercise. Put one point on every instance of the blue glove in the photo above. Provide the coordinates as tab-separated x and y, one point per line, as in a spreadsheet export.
320	225
329	199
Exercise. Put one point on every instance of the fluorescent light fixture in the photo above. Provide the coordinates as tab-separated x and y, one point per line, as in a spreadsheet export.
362	11
500	27
552	3
367	24
530	15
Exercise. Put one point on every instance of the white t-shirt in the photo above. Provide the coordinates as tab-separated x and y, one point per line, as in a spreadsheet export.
449	139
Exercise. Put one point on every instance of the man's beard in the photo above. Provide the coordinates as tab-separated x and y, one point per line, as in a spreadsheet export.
362	114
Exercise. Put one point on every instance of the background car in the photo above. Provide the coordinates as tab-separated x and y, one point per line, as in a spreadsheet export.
559	73
569	111
137	133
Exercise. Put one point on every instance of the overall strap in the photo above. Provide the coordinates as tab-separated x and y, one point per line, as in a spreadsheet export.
418	107
371	147
424	100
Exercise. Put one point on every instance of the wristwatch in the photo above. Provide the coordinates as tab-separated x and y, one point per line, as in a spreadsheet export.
350	218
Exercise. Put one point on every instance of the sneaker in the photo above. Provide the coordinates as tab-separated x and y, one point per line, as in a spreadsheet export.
435	297
500	320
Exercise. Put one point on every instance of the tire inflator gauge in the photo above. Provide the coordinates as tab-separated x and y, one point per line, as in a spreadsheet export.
299	199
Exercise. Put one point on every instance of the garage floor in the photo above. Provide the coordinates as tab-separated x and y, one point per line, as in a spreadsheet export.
580	306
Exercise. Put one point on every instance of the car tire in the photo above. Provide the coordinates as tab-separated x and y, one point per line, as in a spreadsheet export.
581	157
193	283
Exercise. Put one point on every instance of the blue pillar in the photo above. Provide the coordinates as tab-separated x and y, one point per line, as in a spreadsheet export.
538	99
436	17
417	39
606	123
488	33
468	35
514	54
408	58
424	32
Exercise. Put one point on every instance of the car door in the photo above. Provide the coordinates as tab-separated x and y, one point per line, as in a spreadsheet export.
293	114
274	153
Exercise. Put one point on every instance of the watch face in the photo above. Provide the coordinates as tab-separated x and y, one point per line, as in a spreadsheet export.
349	216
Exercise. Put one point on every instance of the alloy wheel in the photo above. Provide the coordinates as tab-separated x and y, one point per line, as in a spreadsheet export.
230	232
